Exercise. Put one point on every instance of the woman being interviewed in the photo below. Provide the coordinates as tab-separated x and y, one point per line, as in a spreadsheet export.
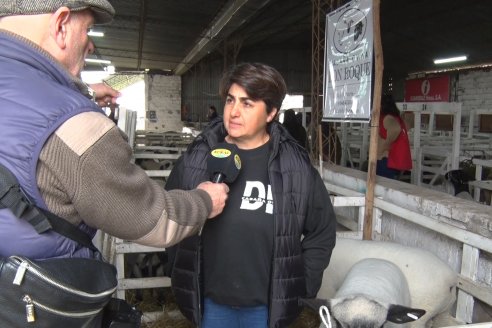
274	239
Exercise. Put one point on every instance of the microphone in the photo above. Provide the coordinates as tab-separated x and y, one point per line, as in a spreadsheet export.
223	163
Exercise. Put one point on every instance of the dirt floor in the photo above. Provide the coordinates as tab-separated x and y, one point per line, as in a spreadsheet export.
171	317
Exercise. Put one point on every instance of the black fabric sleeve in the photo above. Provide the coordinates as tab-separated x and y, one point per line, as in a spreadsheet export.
319	235
174	179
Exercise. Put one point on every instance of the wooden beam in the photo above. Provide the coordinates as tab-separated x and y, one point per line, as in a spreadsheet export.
483	293
373	146
141	283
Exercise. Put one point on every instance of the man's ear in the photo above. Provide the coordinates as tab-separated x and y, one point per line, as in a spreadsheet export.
59	26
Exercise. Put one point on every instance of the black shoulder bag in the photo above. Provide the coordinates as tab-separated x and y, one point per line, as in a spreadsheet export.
64	292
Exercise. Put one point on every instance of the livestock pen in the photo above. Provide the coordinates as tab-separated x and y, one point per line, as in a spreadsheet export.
457	231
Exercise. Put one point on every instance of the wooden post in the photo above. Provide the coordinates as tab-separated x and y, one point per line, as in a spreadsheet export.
373	145
320	147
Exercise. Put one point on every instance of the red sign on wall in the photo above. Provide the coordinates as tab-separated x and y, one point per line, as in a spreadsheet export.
427	89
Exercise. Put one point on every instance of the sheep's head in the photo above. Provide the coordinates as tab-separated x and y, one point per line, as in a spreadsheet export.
357	312
458	177
360	311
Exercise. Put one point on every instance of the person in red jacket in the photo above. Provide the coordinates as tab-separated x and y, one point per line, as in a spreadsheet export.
394	154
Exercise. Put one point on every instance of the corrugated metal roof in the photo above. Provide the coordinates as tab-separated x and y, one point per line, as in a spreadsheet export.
172	36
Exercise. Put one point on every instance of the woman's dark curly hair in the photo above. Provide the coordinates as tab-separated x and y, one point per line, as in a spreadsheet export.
388	105
260	81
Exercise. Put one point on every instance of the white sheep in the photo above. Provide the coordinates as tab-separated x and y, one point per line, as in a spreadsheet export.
374	291
431	282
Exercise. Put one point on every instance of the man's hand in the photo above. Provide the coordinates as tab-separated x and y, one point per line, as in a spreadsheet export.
218	193
104	94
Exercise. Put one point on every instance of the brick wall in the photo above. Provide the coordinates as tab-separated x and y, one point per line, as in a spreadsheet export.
474	90
163	109
163	95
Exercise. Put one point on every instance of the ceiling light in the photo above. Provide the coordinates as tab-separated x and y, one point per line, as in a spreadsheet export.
97	61
95	34
449	60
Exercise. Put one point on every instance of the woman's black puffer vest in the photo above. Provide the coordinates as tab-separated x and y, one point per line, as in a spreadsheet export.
291	180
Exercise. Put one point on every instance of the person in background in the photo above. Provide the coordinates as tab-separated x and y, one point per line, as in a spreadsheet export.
394	154
272	242
212	113
332	147
68	156
296	130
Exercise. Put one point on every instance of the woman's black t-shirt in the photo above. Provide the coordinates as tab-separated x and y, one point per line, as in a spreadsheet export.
238	244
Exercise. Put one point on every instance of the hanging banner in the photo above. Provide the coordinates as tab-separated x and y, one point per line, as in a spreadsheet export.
428	89
348	63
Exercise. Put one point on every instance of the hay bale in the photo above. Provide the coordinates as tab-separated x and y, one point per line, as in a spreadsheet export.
307	319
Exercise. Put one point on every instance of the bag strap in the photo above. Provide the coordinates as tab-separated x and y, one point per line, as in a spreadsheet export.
12	197
65	228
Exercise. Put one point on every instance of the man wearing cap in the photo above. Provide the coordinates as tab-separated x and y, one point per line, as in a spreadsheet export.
68	156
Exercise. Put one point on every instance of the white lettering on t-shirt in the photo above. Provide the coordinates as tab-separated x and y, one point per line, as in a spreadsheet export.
254	203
